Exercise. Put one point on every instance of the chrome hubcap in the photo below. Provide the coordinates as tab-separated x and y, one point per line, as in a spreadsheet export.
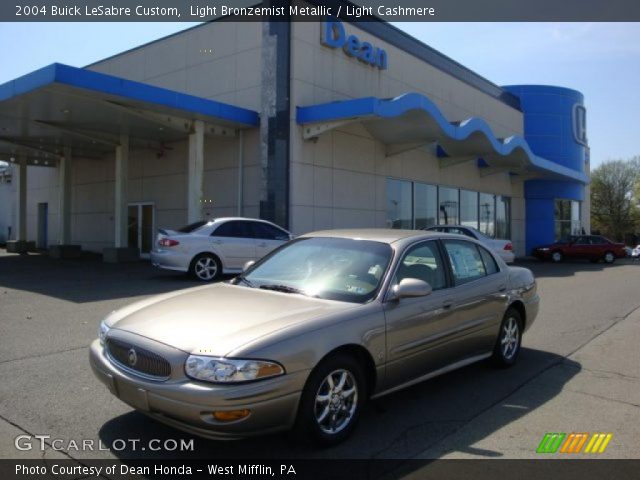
510	338
206	268
557	257
336	401
608	257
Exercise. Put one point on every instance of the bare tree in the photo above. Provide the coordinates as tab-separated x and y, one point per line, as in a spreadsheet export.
614	205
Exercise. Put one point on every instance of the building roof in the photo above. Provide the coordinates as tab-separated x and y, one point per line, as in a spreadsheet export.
61	106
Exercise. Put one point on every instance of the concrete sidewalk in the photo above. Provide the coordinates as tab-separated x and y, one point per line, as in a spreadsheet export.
599	392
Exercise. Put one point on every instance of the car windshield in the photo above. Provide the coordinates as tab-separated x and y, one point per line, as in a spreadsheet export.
330	268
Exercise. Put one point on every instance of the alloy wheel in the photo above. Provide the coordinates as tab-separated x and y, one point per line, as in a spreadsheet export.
336	401
510	341
206	268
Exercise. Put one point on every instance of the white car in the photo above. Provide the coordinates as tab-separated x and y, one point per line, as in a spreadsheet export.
500	246
209	249
635	253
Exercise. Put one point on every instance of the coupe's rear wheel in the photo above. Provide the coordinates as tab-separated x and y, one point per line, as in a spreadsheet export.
331	401
206	267
507	348
556	257
609	257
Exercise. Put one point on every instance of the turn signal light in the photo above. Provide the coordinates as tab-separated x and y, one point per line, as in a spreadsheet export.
168	242
231	415
508	246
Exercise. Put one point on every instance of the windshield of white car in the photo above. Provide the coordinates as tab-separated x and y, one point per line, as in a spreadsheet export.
329	268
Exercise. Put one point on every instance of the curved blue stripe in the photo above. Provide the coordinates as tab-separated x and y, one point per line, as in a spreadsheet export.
391	108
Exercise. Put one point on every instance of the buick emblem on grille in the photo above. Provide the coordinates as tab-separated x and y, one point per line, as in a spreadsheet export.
133	357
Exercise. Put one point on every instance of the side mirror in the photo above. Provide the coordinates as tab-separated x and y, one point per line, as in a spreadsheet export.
410	287
248	265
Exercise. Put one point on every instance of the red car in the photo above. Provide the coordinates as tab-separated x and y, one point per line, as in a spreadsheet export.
593	247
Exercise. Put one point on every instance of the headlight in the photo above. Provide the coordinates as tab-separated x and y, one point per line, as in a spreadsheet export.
103	329
543	249
224	370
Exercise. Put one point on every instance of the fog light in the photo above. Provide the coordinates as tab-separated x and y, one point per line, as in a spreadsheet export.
231	415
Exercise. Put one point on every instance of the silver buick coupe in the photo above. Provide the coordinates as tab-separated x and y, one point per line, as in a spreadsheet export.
302	338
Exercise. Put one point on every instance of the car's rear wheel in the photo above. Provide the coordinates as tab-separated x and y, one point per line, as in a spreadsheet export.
331	401
507	348
609	257
557	256
206	267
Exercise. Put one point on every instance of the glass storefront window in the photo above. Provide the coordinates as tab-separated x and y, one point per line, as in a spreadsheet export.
567	218
503	217
425	205
469	208
487	214
399	204
448	205
576	223
420	205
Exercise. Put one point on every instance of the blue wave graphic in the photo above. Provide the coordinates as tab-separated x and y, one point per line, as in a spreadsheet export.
368	107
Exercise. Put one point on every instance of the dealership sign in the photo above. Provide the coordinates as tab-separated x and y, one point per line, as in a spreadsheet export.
580	124
335	36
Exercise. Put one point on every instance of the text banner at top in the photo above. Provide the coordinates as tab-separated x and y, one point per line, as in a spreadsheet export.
314	10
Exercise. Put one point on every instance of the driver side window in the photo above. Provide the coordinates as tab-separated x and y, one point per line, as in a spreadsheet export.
423	262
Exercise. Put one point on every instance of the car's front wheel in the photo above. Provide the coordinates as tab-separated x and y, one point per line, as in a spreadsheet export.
331	401
206	267
556	256
609	257
507	348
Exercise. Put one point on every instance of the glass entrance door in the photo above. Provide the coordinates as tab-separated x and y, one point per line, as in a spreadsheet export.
141	227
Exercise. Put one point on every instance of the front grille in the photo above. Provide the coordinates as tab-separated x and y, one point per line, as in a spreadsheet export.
146	362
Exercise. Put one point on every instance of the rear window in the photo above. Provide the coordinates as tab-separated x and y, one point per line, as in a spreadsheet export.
192	226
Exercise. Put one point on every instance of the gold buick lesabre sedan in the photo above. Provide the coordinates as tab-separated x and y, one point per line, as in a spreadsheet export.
301	339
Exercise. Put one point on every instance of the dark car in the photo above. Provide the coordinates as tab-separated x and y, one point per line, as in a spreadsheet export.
592	247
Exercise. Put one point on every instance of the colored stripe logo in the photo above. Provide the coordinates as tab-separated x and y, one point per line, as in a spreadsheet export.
574	443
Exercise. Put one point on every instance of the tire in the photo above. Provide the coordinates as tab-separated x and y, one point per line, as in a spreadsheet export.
609	257
338	411
557	257
506	355
206	267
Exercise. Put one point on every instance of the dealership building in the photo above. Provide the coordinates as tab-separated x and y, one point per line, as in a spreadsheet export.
312	125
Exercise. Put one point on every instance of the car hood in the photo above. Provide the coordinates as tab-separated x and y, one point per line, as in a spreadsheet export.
219	318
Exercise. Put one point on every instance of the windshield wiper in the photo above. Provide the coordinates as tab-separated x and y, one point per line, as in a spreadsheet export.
246	282
281	288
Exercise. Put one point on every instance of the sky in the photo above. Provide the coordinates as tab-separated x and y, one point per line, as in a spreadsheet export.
602	60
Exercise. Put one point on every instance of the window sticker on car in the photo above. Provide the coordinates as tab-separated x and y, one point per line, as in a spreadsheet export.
464	262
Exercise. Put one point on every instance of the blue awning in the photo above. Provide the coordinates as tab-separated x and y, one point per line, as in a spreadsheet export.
413	119
62	106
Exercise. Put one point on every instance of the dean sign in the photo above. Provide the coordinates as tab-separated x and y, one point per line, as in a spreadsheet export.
335	36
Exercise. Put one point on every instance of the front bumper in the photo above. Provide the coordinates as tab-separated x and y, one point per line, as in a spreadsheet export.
188	405
541	254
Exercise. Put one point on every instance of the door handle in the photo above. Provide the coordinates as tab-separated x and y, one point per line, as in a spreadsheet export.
217	242
502	288
262	244
447	304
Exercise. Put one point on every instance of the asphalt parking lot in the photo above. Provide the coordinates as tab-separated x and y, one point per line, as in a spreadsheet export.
50	310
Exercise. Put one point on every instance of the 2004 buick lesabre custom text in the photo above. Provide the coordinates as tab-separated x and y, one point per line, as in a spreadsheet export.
303	337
